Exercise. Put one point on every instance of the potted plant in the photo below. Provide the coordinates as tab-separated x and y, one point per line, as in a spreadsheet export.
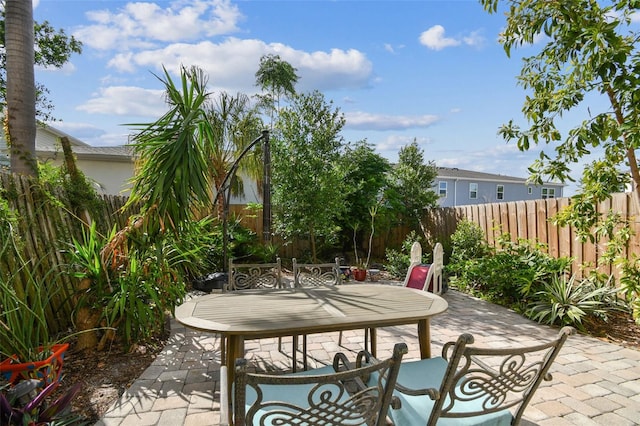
362	266
24	405
27	351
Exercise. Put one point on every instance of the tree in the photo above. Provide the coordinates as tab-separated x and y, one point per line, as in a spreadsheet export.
308	180
21	92
278	79
590	53
365	180
235	124
172	181
409	192
53	48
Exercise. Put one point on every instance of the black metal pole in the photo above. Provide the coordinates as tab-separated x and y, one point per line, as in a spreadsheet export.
266	189
226	194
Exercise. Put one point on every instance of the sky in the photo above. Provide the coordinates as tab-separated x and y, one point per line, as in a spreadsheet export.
431	71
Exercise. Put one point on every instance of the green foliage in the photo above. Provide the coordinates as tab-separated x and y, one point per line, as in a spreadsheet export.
278	79
25	405
409	191
235	124
365	180
79	192
308	180
134	290
25	299
468	242
398	261
508	275
172	183
565	301
589	64
53	49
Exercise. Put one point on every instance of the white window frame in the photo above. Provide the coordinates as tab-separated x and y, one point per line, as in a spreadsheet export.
442	188
473	191
548	193
500	192
529	190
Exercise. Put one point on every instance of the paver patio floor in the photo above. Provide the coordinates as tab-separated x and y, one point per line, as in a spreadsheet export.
594	382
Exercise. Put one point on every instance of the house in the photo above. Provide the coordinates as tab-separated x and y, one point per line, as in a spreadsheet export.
458	187
109	167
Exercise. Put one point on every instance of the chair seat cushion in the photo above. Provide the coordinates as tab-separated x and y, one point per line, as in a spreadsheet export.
415	410
290	394
418	277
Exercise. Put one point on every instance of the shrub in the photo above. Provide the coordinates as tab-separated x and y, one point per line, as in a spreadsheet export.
398	260
508	275
467	242
565	301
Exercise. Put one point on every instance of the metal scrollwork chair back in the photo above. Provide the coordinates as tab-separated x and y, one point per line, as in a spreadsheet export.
487	385
312	275
247	276
316	274
330	395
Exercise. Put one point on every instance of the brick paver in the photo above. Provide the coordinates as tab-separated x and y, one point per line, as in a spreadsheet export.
594	382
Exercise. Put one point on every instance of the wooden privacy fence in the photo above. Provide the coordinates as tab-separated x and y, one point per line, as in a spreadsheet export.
46	226
521	219
532	220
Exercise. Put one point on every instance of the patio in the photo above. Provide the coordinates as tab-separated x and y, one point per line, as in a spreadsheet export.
594	382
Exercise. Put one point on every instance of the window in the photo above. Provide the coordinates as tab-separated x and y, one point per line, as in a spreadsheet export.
529	190
473	191
500	192
548	193
442	188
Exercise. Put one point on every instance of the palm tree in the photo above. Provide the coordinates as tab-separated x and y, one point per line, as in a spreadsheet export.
21	90
173	178
235	124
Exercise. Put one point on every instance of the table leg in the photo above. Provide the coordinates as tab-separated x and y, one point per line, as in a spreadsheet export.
374	341
235	349
424	337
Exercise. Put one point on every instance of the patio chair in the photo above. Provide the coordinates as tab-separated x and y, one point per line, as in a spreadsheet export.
425	276
473	386
419	276
248	276
334	394
312	275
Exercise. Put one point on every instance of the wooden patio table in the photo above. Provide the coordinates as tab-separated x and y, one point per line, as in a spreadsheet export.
250	314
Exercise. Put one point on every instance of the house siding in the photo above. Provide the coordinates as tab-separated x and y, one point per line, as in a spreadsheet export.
458	191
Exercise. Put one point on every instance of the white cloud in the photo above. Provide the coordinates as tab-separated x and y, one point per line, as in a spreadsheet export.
126	101
367	121
434	38
142	24
474	39
67	68
231	64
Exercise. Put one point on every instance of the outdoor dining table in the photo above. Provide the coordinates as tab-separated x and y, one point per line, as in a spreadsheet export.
250	314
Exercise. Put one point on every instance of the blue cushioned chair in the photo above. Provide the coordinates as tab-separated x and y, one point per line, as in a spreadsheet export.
473	386
333	395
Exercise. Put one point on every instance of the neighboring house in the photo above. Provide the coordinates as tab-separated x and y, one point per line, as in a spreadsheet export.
109	167
458	187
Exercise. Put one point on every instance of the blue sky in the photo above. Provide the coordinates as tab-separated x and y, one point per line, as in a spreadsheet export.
399	70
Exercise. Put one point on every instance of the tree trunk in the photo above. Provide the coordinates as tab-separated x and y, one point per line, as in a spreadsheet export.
21	92
87	320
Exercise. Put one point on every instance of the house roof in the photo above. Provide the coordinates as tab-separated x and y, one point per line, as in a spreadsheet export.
455	173
48	145
87	152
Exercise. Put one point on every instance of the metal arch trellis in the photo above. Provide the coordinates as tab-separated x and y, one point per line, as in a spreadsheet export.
266	193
